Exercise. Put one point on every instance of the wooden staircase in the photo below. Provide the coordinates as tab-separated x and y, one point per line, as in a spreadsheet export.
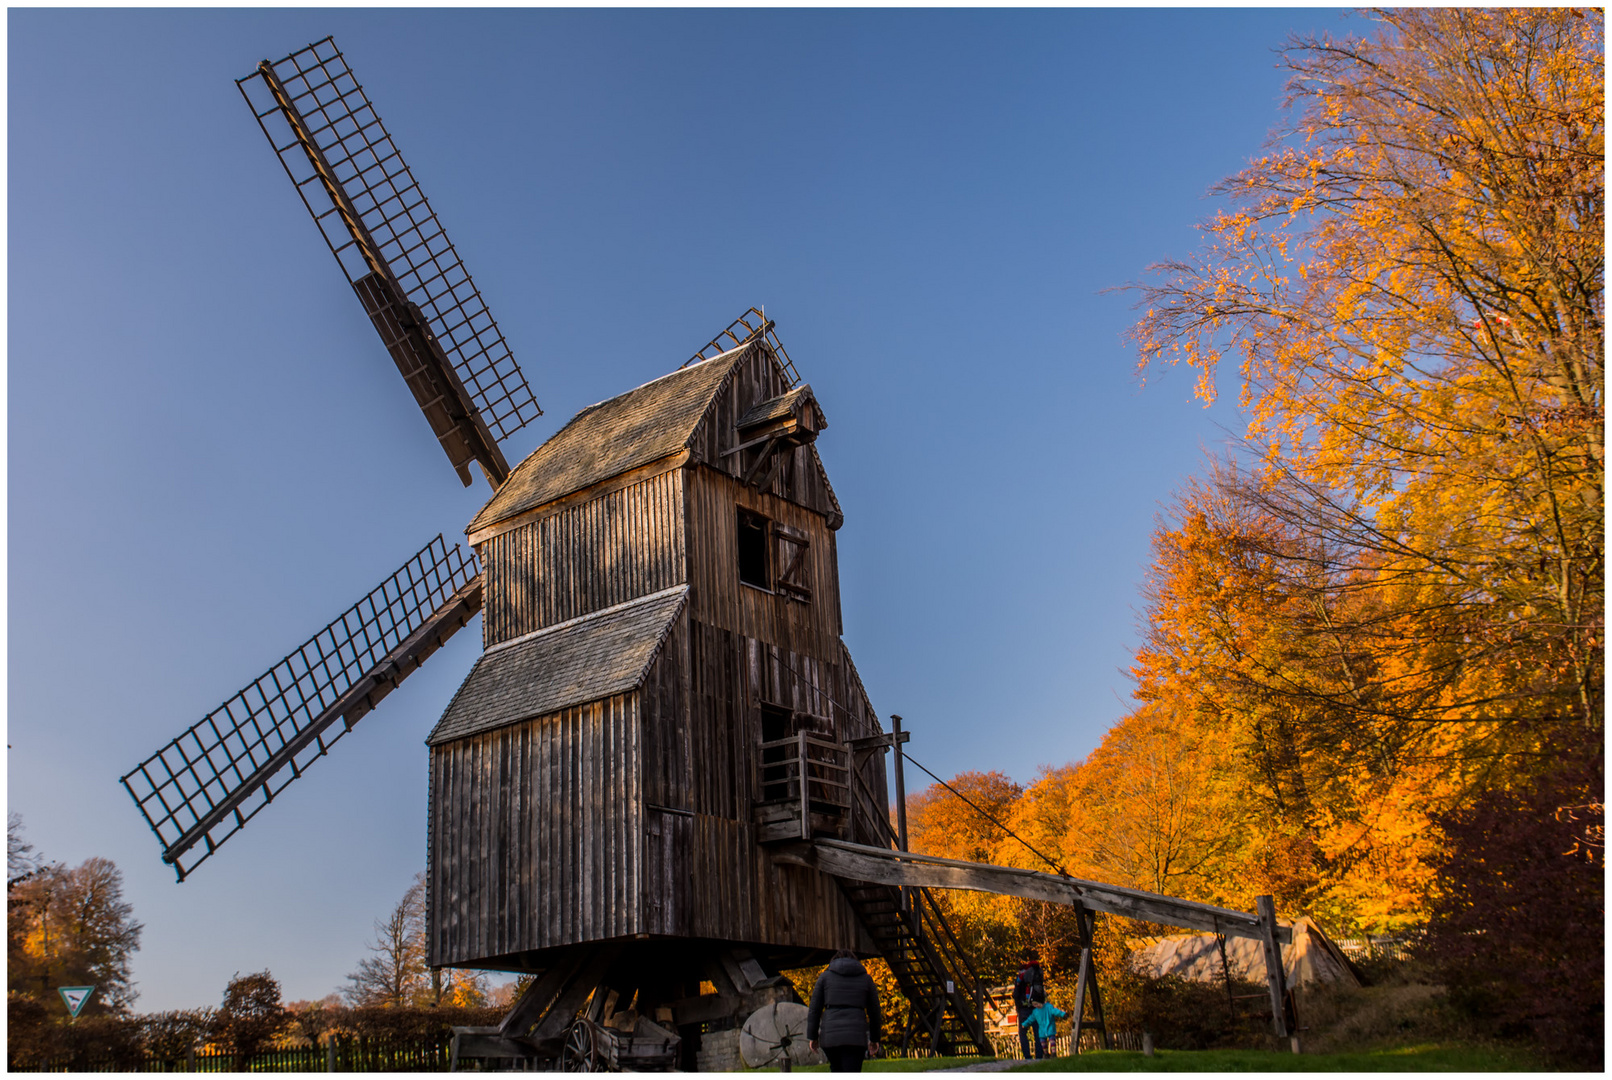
946	1014
946	995
815	789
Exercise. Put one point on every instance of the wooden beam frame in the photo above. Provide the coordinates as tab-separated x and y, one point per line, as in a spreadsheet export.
881	866
1275	975
1086	981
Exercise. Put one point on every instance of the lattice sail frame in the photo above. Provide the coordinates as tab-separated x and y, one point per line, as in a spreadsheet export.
752	324
403	232
204	786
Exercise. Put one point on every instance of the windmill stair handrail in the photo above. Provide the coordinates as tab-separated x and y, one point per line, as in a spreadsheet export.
937	981
946	994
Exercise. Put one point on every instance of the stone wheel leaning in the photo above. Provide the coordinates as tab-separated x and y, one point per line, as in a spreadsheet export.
774	1033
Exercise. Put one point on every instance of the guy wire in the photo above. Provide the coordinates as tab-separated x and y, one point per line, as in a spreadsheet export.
1061	871
977	809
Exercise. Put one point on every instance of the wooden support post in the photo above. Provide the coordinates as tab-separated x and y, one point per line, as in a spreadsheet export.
901	799
1080	992
1275	977
1086	981
805	791
1096	989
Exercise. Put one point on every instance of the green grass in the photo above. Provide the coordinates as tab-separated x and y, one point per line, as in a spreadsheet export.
1432	1057
1435	1057
899	1064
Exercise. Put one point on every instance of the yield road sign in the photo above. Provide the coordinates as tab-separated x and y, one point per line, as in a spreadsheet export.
75	996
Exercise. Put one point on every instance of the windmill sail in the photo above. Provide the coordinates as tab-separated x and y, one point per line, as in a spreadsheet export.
202	787
752	324
389	243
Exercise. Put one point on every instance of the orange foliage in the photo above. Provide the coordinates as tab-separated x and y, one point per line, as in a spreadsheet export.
1393	596
1401	596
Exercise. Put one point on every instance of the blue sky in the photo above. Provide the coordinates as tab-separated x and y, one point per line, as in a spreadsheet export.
211	455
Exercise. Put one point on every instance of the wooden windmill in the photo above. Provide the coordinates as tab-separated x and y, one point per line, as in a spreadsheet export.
662	781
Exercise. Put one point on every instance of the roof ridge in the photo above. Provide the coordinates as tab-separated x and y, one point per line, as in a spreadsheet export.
658	378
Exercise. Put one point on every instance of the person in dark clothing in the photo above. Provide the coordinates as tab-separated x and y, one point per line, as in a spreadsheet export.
1027	985
844	1014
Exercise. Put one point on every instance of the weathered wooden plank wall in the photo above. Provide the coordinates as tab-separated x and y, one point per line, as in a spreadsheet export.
584	557
720	599
800	477
536	834
705	875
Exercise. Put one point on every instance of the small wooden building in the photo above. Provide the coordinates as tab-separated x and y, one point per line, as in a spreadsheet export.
661	600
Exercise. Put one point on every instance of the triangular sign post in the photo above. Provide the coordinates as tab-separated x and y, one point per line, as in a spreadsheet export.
75	996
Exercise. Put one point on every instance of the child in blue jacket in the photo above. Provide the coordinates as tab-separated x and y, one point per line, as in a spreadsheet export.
1045	1017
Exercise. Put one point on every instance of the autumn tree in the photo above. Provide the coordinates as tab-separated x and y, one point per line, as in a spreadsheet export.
395	972
250	1016
1518	929
1150	808
21	859
170	1036
962	823
958	823
460	988
1393	603
72	927
1411	283
1282	666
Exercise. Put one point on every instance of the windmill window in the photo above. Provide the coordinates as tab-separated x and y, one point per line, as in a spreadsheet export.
753	569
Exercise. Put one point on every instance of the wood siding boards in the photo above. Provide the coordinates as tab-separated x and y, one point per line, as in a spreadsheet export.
705	873
537	834
716	594
800	477
583	558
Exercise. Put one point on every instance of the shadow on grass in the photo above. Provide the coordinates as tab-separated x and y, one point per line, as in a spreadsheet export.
899	1064
1430	1058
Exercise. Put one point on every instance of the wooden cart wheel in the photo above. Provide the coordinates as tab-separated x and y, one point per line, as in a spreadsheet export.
581	1053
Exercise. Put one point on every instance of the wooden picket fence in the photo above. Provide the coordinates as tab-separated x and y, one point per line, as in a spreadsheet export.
358	1053
1399	947
1062	1045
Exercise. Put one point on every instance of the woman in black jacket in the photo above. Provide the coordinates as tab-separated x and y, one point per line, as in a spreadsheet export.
844	1014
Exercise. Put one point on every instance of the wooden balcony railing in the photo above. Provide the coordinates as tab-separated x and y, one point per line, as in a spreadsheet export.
805	788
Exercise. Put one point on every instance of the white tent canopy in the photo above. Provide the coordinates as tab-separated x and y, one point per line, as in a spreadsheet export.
1311	959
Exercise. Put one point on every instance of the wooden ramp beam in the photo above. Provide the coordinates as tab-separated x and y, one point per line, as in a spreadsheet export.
883	866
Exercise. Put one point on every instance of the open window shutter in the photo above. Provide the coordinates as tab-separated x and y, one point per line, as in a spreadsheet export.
793	565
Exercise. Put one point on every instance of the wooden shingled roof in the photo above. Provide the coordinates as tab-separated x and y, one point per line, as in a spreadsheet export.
613	437
571	663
